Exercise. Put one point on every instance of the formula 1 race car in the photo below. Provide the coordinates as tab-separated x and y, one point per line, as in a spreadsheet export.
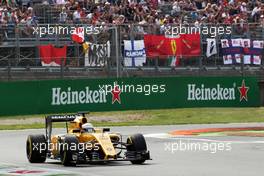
83	143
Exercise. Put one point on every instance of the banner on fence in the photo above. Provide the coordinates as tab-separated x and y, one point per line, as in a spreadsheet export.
52	56
96	55
60	96
235	50
134	53
187	45
211	47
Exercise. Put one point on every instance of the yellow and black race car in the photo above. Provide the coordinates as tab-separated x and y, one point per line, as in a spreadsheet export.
83	143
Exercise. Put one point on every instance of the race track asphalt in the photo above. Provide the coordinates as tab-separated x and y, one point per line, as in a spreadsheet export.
244	157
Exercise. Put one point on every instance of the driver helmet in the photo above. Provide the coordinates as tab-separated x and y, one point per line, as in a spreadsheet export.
88	127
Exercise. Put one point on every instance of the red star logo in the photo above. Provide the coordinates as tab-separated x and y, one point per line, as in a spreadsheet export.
116	95
243	91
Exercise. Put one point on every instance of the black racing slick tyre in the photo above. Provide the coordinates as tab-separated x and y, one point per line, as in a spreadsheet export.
36	148
137	143
69	151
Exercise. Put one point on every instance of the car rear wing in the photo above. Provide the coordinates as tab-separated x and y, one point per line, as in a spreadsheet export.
60	118
64	118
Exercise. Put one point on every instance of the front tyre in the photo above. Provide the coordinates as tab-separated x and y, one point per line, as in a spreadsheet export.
69	151
137	144
36	148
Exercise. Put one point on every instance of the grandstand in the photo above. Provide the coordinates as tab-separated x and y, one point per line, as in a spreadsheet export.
121	20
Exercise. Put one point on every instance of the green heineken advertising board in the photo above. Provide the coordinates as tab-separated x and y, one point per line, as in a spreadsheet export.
54	96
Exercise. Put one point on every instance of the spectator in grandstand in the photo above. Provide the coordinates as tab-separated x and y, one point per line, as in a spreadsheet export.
119	19
262	21
77	15
243	8
141	12
241	26
14	17
63	16
5	16
89	18
8	3
176	9
256	12
60	2
83	15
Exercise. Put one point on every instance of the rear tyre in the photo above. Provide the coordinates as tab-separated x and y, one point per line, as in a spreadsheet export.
36	148
69	151
137	143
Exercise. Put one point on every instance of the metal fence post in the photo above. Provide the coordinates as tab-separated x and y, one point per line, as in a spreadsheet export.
242	66
17	48
62	69
218	48
201	58
118	65
9	70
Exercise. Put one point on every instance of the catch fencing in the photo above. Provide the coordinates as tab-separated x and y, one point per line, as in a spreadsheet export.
19	48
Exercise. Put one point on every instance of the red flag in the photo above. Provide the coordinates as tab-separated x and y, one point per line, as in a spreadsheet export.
152	44
191	45
78	35
45	53
59	55
52	56
159	45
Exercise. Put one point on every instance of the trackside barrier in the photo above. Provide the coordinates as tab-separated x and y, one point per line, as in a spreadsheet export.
60	96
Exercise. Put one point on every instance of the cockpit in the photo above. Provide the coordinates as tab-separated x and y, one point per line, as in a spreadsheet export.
88	128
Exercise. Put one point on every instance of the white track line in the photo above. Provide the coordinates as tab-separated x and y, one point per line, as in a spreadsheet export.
170	137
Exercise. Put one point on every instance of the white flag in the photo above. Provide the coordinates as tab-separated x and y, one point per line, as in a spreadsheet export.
237	43
246	43
247	59
211	47
224	43
227	59
134	54
238	58
257	60
258	45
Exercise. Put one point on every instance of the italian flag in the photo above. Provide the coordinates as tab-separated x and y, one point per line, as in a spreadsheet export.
174	61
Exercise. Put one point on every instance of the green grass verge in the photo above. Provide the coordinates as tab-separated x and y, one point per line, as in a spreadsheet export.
161	117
